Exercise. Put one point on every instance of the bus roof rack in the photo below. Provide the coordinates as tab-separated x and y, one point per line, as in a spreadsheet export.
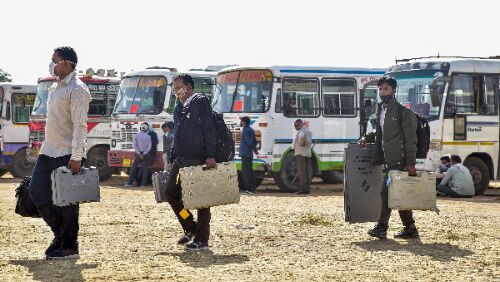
438	57
162	68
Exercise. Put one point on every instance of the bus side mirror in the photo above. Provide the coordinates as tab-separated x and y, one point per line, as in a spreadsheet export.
460	127
437	89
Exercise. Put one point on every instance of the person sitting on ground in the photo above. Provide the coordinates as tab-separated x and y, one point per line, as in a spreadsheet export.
458	181
442	168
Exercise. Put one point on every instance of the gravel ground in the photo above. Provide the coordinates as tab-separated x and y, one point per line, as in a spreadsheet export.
270	236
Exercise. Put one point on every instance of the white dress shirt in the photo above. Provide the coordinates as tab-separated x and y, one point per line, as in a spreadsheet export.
66	127
302	142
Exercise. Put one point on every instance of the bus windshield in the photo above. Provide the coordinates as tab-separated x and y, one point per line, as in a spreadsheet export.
245	91
141	95
414	91
103	97
22	104
42	94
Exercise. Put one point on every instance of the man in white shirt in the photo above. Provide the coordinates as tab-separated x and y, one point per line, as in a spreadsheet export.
457	182
302	149
64	145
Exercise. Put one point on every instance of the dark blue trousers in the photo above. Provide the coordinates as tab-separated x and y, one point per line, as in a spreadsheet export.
62	220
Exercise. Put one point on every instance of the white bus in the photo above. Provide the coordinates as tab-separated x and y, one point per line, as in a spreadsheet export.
459	97
16	102
146	96
103	91
327	99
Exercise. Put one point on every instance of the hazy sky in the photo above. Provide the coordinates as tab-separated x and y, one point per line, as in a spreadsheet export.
127	35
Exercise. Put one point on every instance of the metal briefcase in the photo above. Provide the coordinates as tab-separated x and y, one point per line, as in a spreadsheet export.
68	189
203	188
412	192
160	186
362	185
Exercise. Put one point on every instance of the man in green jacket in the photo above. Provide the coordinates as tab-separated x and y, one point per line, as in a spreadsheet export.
395	147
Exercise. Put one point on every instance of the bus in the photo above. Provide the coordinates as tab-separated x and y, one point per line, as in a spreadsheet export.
103	90
146	96
326	98
459	98
16	102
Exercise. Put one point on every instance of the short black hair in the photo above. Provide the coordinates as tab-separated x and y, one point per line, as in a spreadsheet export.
245	119
456	159
389	81
168	124
68	54
445	158
186	79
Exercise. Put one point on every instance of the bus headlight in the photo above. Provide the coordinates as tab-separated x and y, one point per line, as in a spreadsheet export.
113	143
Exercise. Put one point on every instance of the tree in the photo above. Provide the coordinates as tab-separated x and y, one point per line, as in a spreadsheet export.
4	76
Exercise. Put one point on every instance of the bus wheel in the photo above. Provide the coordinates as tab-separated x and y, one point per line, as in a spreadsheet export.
98	158
287	178
480	174
21	167
332	177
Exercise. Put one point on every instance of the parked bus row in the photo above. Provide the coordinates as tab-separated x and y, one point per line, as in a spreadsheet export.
458	96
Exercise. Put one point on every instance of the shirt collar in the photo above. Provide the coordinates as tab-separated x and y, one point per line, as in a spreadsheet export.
188	100
68	78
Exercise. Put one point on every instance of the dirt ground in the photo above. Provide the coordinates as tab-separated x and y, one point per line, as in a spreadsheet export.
270	236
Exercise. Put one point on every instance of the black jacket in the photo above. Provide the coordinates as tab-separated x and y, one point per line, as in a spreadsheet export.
194	130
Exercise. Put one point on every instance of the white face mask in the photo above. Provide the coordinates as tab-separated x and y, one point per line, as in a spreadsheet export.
52	67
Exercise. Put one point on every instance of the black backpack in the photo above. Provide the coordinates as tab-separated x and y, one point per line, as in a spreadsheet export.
224	143
24	204
423	133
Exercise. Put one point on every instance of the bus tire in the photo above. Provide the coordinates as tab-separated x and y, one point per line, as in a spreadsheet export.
480	174
98	157
3	172
287	179
332	177
21	167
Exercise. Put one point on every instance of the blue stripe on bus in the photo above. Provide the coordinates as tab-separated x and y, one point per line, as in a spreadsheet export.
286	141
482	123
333	71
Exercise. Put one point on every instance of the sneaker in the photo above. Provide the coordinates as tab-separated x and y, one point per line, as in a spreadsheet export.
185	238
197	246
379	231
407	232
55	245
129	185
302	192
63	253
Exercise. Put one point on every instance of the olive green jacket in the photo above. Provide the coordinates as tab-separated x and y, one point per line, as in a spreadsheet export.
400	138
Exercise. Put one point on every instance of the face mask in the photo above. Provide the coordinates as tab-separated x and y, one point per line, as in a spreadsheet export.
52	67
144	128
386	99
179	93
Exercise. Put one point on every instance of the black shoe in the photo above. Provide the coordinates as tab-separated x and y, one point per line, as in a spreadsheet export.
408	232
55	245
302	192
197	246
379	231
64	253
186	238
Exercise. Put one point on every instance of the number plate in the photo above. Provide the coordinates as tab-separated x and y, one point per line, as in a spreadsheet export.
126	162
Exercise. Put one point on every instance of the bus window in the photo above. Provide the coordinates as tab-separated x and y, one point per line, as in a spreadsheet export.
1	101
300	97
339	97
472	94
22	105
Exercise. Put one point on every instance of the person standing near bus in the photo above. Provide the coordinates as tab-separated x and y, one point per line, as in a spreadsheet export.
143	157
302	148
248	146
168	141
395	148
64	145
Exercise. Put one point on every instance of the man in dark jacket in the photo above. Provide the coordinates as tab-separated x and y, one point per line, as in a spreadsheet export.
194	144
396	148
248	145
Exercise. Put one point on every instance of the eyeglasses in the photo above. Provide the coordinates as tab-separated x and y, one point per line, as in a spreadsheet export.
73	63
